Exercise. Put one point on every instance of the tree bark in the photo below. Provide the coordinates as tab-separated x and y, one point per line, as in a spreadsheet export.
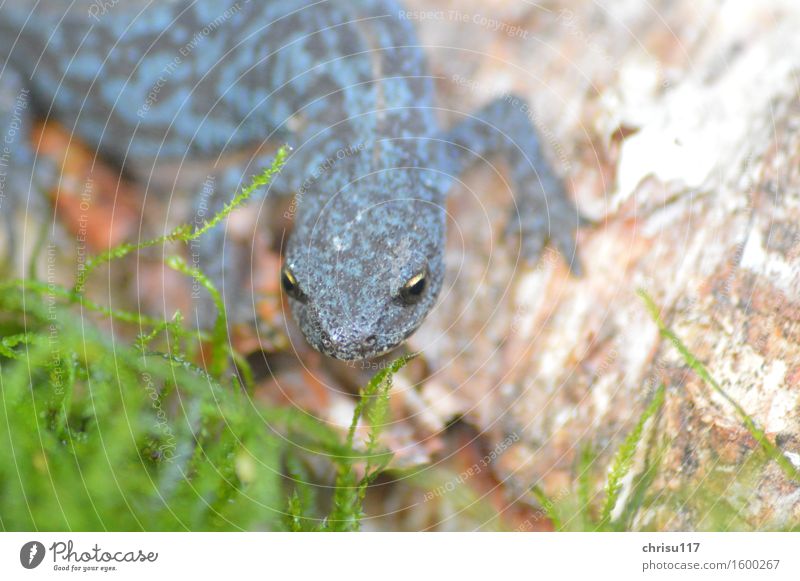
676	126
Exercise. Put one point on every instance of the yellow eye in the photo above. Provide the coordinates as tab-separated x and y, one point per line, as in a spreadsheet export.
290	285
414	288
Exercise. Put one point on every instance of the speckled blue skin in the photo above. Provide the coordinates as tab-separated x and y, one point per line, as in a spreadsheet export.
344	82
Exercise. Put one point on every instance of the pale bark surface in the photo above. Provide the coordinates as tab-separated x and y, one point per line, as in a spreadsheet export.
676	126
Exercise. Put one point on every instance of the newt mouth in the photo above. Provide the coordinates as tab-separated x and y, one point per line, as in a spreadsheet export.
355	352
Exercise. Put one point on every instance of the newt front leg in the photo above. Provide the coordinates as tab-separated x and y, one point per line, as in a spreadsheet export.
541	209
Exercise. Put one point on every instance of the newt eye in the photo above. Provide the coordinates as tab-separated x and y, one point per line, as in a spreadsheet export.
290	285
414	288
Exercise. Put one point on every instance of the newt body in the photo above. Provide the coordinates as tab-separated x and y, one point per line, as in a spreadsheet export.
344	82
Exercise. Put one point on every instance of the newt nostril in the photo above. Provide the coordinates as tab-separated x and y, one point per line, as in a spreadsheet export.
325	338
371	340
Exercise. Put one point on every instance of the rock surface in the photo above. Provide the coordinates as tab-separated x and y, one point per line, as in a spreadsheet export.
676	126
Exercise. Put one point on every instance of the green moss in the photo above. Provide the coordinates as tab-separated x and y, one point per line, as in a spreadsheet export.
623	459
590	505
97	433
350	490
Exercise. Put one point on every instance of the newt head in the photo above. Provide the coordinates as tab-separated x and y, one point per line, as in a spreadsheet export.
364	266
